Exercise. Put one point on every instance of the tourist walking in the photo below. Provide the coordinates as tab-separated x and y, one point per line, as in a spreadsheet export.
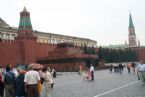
47	84
31	80
54	73
141	71
128	67
20	85
84	74
133	67
110	68
9	80
89	75
120	66
50	76
92	72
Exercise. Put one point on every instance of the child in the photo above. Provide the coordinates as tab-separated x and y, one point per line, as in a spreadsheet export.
89	75
84	75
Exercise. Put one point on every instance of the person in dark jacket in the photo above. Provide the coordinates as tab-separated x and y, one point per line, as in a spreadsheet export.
1	83
20	85
110	68
120	68
9	80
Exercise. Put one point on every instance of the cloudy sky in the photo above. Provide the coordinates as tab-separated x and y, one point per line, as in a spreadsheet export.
105	21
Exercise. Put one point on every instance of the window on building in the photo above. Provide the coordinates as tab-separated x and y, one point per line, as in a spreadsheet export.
7	36
45	41
41	40
49	41
53	41
2	35
13	36
63	40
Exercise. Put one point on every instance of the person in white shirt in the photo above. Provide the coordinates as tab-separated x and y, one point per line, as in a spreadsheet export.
141	71
47	84
92	72
31	80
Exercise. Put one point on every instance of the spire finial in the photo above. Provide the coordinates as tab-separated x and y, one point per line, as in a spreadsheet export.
129	11
24	9
130	21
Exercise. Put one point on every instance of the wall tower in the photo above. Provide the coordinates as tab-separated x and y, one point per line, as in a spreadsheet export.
131	33
27	36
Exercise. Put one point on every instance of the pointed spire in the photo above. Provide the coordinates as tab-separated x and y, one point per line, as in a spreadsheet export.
130	21
24	9
131	35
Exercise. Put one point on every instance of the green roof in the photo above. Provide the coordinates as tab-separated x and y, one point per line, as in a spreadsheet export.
130	22
25	22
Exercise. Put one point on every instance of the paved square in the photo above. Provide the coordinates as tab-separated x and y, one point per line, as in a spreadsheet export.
106	84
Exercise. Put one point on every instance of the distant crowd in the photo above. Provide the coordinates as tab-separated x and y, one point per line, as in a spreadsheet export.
133	68
118	68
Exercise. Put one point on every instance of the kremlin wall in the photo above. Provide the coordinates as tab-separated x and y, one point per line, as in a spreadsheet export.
23	45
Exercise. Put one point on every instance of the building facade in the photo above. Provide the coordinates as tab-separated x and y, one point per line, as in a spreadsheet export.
9	33
23	45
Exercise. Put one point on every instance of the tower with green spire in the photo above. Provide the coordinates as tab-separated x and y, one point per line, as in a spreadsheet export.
27	36
131	33
25	22
25	26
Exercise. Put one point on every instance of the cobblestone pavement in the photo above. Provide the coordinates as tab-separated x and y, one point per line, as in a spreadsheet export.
106	84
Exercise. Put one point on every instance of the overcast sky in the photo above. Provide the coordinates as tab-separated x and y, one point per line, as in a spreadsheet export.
105	21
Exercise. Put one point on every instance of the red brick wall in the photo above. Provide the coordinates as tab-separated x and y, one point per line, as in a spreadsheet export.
66	66
43	49
140	53
27	51
23	52
10	52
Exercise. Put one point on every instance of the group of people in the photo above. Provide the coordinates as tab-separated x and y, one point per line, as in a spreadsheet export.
120	66
133	68
27	83
117	68
88	74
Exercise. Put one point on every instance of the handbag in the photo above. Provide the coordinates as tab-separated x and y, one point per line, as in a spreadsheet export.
39	87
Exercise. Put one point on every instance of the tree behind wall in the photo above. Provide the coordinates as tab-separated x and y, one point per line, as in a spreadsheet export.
117	55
